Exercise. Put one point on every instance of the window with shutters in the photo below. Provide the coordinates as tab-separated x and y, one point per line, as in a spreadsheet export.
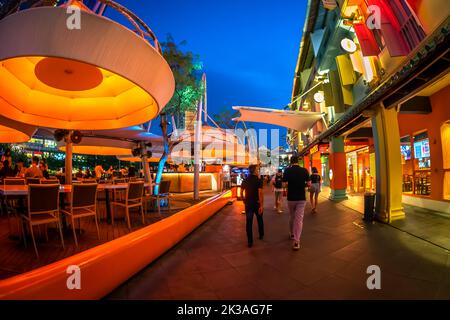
411	30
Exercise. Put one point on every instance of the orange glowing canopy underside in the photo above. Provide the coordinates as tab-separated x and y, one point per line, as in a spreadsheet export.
8	135
29	93
99	151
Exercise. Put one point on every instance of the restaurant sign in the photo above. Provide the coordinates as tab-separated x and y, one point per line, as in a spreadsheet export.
314	149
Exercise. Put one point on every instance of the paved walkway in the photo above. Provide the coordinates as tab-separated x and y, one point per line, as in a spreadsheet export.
336	249
426	224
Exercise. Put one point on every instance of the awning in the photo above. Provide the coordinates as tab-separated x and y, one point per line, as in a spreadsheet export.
297	120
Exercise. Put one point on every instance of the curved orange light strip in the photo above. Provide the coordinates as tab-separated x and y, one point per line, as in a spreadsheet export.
9	135
99	151
105	267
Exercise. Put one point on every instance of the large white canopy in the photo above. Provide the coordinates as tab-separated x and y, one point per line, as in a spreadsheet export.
297	120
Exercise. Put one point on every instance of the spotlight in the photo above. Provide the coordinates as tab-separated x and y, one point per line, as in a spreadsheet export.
136	152
76	136
59	134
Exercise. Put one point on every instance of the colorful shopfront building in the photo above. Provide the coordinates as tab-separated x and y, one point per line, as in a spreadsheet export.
379	71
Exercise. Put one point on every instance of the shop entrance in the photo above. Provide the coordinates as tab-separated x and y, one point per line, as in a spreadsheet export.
360	170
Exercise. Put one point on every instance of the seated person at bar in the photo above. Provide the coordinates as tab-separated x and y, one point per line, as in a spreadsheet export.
34	171
19	169
88	174
43	167
6	171
131	171
79	174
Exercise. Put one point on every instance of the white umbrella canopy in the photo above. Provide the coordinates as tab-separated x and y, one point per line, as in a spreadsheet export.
57	77
218	146
298	120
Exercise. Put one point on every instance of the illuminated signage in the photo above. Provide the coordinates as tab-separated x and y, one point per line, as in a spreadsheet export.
348	45
314	149
318	97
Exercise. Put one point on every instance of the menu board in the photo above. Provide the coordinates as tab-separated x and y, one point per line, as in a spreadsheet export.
405	150
422	149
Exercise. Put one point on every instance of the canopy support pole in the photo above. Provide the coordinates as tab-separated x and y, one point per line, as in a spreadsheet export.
68	161
145	166
197	151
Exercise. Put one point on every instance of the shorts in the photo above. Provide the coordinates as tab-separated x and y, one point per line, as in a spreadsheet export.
278	195
315	188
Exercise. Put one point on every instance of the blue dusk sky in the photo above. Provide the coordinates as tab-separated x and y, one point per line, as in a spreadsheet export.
248	48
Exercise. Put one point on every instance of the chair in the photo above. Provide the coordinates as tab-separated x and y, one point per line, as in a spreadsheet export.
83	203
14	182
33	180
49	181
89	180
43	208
164	188
119	194
133	198
11	201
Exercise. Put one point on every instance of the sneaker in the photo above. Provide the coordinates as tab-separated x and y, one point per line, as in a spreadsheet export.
250	244
296	246
275	208
280	211
291	236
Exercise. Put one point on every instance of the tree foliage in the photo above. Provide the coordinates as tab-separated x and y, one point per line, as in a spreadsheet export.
186	69
224	118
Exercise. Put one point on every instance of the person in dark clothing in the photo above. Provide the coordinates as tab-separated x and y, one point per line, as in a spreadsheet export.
296	179
6	171
314	190
131	172
252	187
277	187
43	167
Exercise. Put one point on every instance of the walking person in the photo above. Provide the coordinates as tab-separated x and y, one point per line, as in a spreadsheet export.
296	179
252	187
314	190
277	188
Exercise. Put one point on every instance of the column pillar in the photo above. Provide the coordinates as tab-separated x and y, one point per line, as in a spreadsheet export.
307	162
338	170
388	165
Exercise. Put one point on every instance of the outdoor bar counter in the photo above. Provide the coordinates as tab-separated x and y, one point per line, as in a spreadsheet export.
184	181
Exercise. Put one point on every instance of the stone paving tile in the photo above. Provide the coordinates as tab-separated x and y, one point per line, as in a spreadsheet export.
187	284
223	279
242	292
336	248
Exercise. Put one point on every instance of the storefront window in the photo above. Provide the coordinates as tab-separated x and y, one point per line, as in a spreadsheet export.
407	164
359	174
416	164
422	164
445	137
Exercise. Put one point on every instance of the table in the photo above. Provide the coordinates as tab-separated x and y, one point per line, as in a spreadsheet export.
21	190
